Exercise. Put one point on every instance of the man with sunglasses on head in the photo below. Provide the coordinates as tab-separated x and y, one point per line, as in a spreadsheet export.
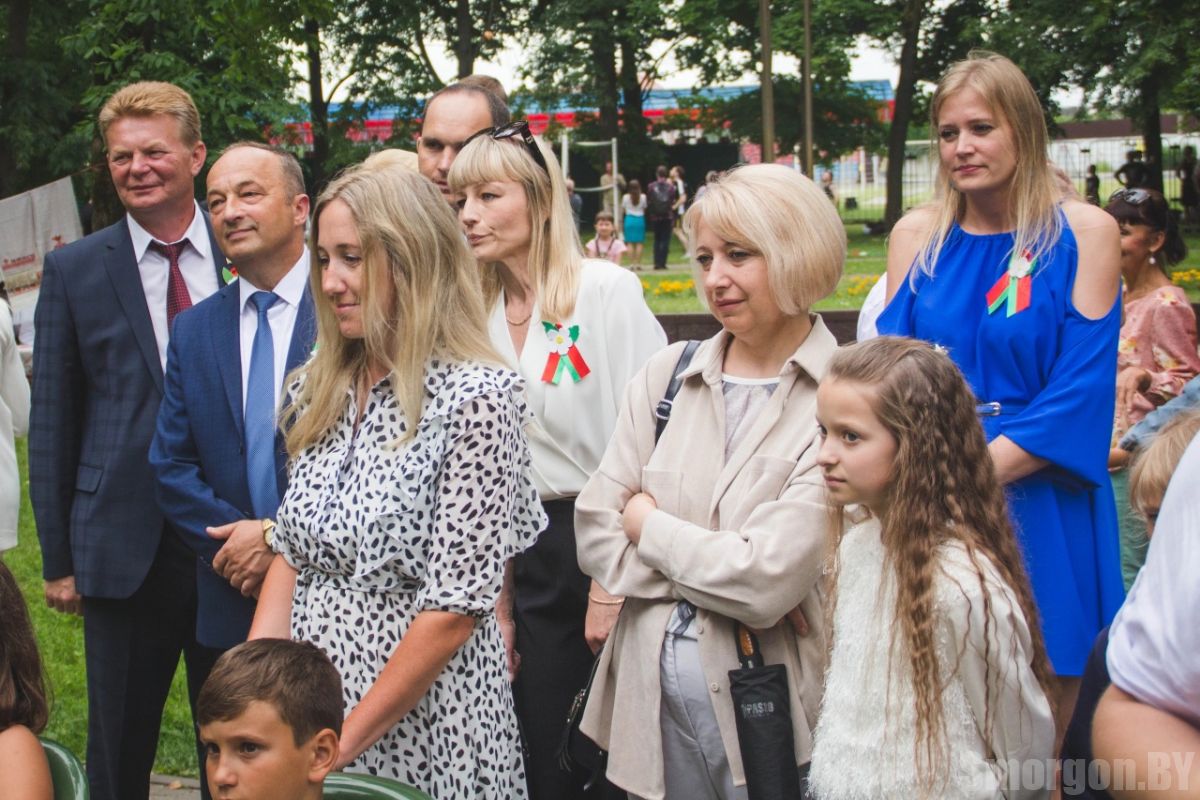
452	115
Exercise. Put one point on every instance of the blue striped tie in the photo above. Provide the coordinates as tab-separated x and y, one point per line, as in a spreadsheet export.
260	414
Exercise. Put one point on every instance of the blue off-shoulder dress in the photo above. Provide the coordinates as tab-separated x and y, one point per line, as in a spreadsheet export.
1051	370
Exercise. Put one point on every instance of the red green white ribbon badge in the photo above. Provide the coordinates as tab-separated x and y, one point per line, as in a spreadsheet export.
564	354
1014	285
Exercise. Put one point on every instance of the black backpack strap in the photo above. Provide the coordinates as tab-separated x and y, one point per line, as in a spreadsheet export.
662	411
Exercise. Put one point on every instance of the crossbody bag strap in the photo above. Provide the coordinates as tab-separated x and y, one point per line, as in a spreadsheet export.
662	412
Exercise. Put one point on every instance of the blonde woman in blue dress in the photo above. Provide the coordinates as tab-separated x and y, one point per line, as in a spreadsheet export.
1020	286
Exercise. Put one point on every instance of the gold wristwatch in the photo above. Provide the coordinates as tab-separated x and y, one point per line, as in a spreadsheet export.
268	532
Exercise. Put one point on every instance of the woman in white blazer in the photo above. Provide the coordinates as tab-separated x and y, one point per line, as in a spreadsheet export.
577	330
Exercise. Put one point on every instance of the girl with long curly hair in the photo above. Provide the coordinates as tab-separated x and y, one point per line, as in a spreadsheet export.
938	678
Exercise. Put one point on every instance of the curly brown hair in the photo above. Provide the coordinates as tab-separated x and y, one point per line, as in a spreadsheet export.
22	684
944	488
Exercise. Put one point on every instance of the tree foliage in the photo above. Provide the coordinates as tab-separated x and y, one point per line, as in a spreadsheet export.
1138	59
254	65
599	53
844	118
39	89
212	48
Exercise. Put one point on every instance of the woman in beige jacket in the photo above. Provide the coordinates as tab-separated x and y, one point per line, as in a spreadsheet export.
725	518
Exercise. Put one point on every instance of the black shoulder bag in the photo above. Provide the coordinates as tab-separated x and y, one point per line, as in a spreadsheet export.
575	750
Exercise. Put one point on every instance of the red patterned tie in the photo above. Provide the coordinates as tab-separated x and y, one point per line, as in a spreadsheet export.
178	298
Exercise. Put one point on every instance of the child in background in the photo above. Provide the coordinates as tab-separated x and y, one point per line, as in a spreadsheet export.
1153	467
606	244
24	772
270	715
938	677
1148	480
633	227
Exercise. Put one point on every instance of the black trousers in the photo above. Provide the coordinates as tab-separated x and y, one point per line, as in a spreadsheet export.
662	241
551	603
132	648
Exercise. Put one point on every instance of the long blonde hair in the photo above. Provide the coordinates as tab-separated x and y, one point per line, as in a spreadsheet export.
1034	196
411	242
943	489
555	254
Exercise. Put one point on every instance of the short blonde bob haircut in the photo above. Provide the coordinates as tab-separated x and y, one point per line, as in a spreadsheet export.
1154	466
555	254
1034	195
782	215
392	158
420	298
149	99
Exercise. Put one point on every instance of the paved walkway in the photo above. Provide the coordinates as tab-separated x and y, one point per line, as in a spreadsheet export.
167	787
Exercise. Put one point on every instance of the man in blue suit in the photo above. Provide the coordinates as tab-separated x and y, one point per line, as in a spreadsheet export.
218	454
103	318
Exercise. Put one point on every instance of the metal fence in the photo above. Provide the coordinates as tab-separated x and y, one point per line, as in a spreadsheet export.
860	179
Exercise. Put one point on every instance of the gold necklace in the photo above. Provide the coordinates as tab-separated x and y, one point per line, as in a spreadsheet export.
522	322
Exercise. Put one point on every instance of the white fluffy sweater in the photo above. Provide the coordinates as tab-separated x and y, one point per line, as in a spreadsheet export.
864	739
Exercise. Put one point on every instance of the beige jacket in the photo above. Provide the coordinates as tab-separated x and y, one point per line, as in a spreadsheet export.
744	540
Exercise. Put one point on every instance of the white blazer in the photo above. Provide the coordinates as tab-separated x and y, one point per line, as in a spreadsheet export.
14	421
574	420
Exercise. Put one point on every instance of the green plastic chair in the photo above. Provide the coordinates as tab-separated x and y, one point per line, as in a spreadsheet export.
351	786
66	773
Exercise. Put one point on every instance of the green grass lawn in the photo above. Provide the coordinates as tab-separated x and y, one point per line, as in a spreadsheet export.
60	638
866	259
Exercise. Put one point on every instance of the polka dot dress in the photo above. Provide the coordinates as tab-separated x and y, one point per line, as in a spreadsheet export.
380	532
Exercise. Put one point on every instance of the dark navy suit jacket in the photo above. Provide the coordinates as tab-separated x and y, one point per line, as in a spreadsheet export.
198	453
97	384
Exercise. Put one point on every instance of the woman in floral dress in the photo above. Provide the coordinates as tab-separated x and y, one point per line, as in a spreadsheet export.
410	491
1156	353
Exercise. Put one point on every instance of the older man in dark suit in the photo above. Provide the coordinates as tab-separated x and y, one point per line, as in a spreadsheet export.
103	320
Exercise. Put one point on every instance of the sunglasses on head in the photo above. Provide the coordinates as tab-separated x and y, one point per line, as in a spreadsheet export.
1151	210
519	130
1135	197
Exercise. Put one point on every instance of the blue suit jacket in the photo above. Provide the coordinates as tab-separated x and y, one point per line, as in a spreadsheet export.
198	453
96	390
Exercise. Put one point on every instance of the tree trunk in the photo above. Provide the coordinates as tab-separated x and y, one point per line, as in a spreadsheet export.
910	24
15	46
464	45
631	88
1151	125
318	106
604	61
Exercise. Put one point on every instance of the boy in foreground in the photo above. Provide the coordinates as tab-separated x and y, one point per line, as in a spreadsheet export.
270	715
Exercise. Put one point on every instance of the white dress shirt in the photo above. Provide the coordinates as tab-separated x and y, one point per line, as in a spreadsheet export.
195	262
281	315
573	421
872	307
1154	642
